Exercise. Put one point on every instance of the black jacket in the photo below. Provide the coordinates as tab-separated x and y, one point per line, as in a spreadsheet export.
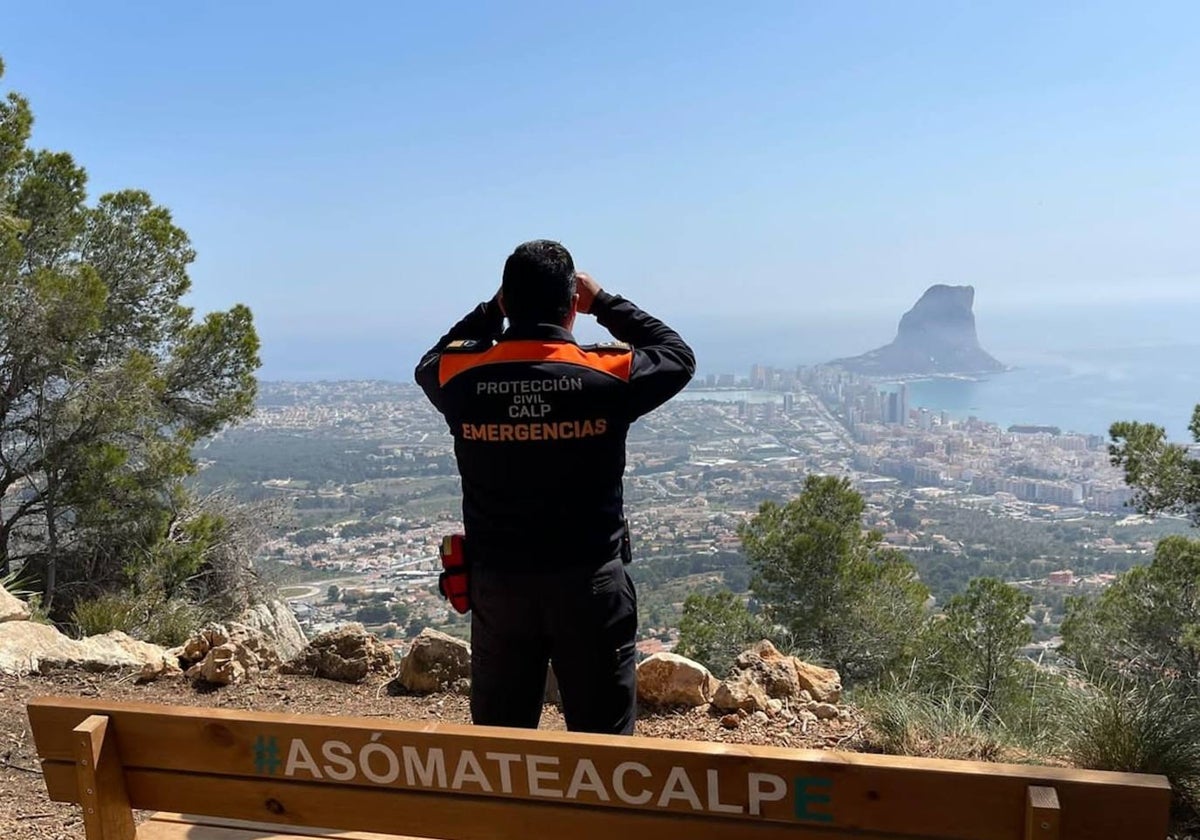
539	426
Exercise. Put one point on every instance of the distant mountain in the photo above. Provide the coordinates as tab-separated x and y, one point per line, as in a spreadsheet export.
936	336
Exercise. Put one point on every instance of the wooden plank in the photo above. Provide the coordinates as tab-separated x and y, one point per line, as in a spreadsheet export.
1042	814
433	815
101	782
173	826
49	711
884	794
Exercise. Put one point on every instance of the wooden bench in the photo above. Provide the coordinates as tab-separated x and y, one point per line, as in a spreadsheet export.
315	776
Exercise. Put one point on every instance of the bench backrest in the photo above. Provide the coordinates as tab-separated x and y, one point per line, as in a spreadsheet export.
451	781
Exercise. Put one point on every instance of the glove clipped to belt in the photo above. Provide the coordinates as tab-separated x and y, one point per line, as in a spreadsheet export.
452	582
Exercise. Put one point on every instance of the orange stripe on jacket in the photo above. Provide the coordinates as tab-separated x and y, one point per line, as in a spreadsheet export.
614	364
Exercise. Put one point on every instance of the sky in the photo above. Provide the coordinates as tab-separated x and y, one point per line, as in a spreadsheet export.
361	170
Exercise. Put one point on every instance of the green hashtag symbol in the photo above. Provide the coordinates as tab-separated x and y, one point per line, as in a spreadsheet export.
266	755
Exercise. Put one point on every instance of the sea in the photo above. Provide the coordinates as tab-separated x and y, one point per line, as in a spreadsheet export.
1084	391
1079	367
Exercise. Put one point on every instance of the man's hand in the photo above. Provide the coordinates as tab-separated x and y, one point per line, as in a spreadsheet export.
587	289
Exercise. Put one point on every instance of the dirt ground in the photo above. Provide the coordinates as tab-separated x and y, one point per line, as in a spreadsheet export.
26	812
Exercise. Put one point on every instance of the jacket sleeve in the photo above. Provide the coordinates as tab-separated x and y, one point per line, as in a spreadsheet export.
662	361
484	323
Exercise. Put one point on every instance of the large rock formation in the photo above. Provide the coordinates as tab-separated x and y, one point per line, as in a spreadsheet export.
29	647
936	336
275	620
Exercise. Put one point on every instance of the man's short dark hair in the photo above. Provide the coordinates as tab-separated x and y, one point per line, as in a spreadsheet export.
539	283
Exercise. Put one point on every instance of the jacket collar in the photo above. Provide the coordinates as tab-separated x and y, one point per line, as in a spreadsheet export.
537	332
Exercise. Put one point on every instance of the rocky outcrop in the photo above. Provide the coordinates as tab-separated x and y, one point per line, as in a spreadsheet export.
936	336
347	654
435	662
226	654
30	647
772	670
12	608
741	692
668	679
765	680
823	684
278	625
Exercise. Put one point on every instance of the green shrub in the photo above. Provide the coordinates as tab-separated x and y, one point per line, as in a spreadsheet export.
1140	728
171	624
715	628
913	723
107	612
166	623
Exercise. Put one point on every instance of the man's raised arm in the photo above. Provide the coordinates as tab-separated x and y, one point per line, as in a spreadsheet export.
484	323
663	363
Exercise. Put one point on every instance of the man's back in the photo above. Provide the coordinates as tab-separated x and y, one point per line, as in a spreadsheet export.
539	428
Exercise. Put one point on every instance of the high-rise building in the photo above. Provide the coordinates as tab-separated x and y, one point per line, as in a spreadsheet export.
758	376
891	408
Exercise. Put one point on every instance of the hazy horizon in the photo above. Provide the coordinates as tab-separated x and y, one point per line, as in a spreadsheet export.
730	344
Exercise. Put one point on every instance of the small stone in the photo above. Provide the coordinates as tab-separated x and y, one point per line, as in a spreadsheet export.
165	667
824	711
222	667
731	721
774	706
435	662
761	716
740	692
12	608
804	696
668	679
773	671
824	684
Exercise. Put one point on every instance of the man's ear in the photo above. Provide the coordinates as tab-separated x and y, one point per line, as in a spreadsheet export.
500	303
569	321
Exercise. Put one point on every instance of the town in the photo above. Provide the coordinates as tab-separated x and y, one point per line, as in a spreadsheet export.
367	470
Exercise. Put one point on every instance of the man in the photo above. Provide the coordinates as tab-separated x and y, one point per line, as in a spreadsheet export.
539	426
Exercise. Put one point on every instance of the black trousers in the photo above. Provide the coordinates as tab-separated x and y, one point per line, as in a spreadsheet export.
582	620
